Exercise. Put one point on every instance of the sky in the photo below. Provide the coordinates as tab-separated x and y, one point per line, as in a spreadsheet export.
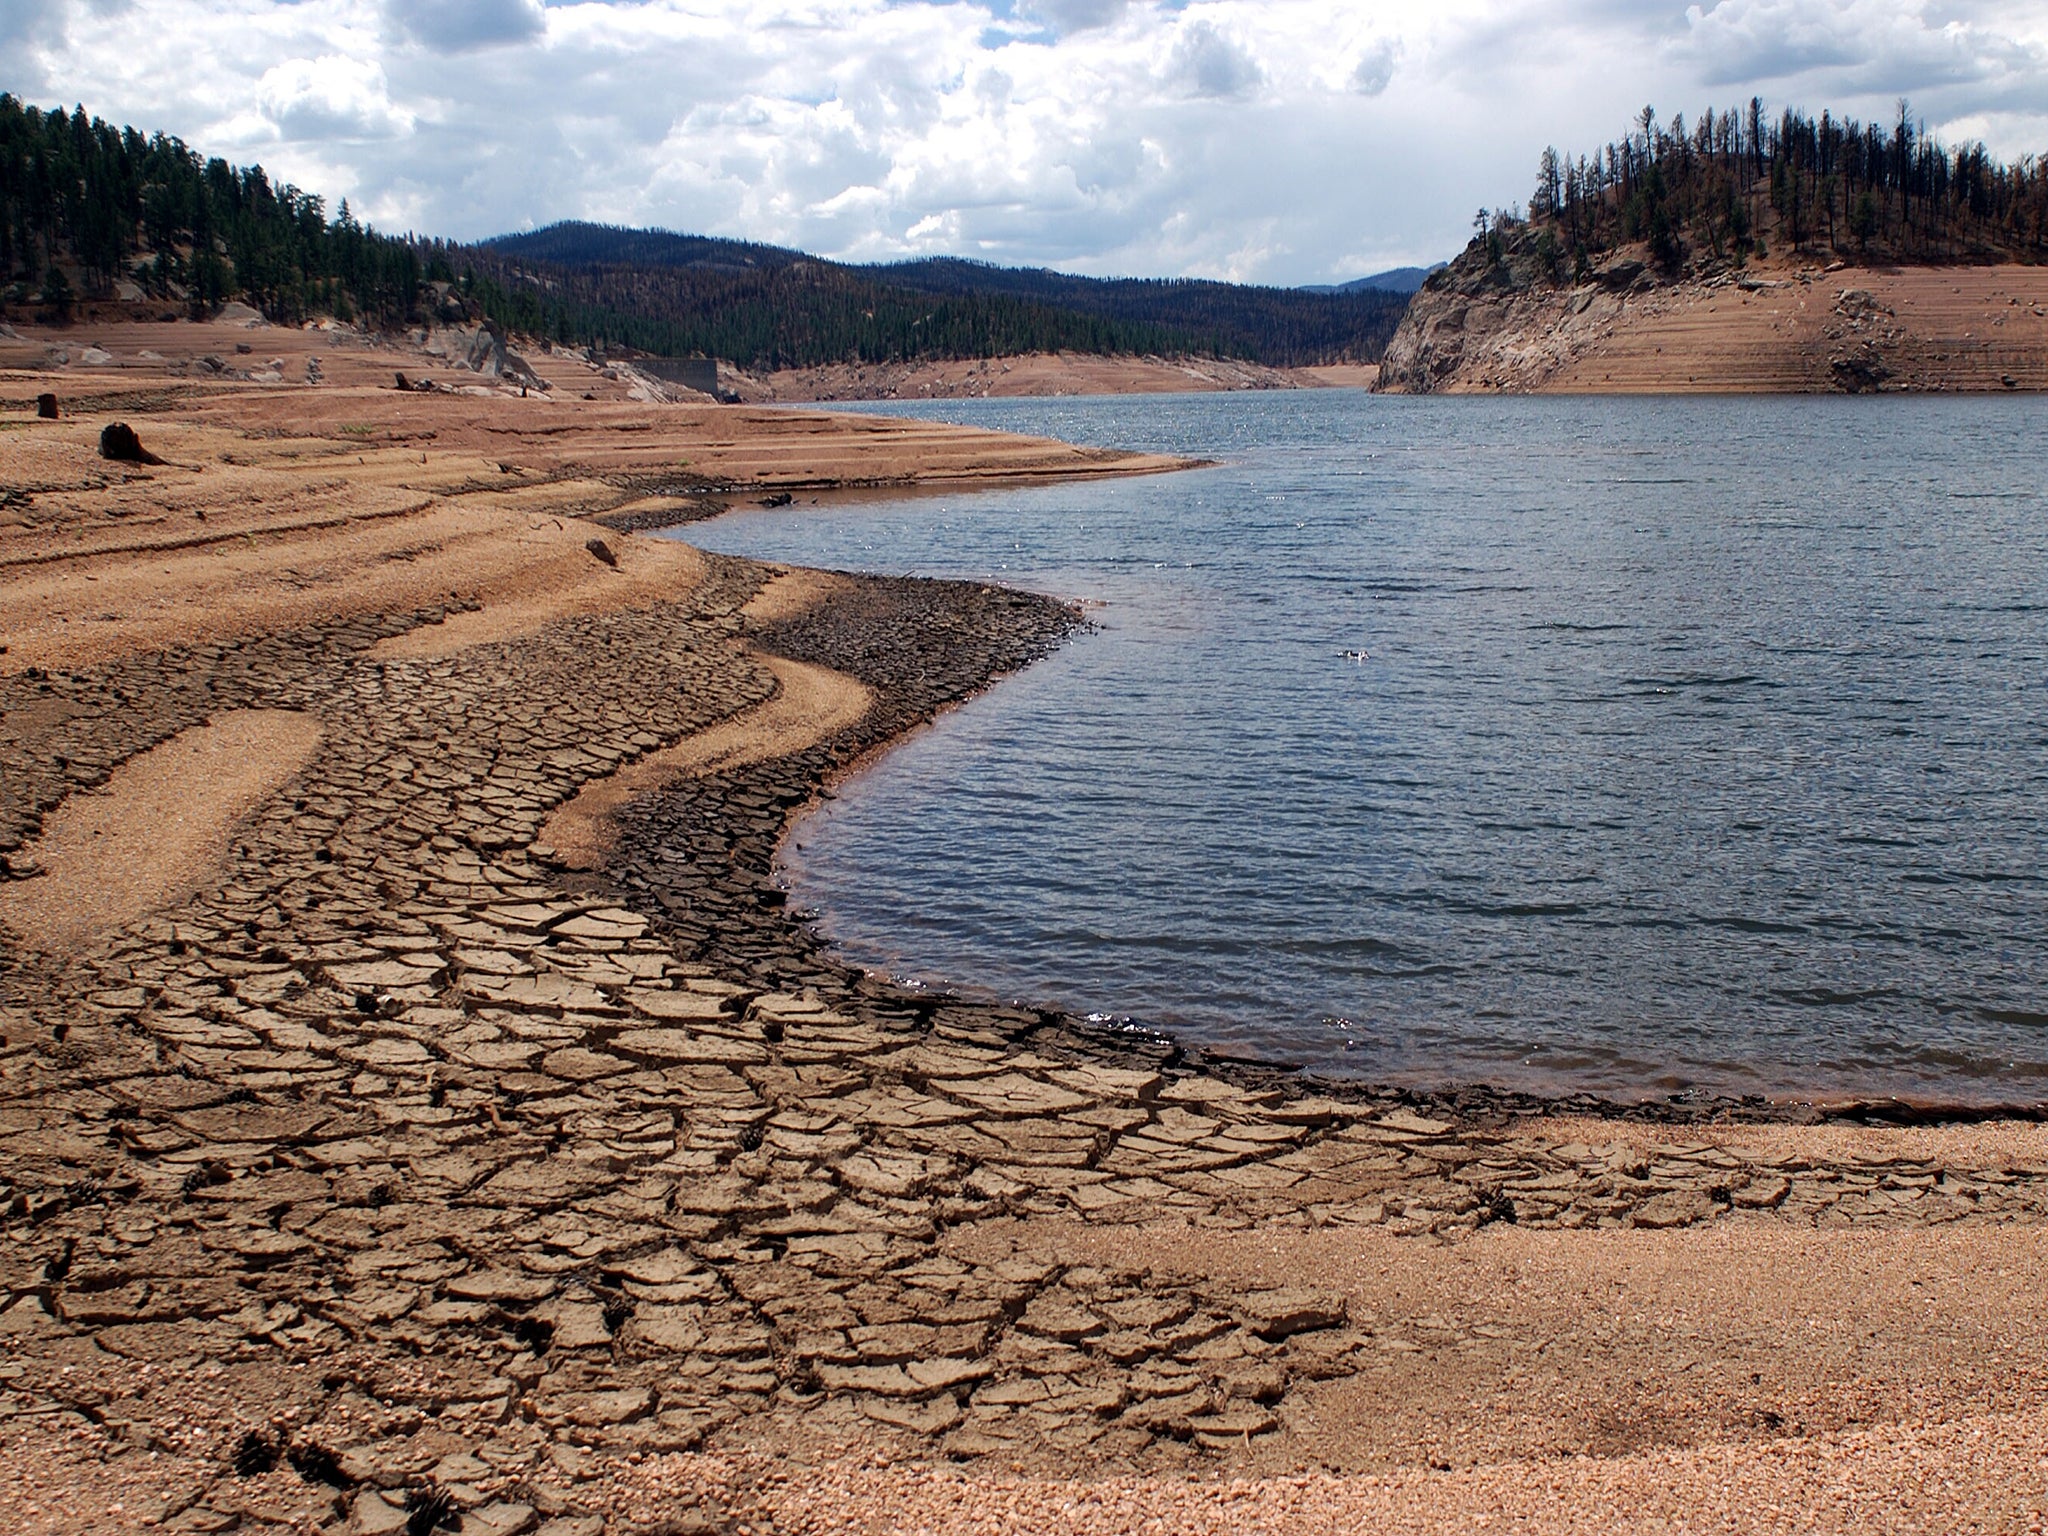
1276	141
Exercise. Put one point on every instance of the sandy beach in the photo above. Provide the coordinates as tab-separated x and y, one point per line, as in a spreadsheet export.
417	1095
1040	374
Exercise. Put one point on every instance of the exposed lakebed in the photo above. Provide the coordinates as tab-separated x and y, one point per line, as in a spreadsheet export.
1635	745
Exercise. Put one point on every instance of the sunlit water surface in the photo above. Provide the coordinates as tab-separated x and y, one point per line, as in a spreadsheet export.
1632	745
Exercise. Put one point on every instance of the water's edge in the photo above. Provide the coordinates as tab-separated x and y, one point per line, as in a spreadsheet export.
967	732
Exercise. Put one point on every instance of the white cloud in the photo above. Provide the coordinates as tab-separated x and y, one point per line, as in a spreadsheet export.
1280	140
1075	15
1375	67
30	31
1206	63
330	97
1866	46
456	26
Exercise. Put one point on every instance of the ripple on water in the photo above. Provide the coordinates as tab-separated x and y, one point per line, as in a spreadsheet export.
1640	746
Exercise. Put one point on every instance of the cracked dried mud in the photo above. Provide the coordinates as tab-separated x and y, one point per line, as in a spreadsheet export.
397	1169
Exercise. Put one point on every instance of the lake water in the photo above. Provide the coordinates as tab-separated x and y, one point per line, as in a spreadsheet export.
1635	745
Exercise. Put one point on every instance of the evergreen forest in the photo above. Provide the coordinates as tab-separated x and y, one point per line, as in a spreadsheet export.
85	206
1741	183
766	307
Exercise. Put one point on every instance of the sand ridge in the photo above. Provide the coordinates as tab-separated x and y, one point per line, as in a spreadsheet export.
157	830
280	503
810	703
549	573
143	350
1038	374
1922	1479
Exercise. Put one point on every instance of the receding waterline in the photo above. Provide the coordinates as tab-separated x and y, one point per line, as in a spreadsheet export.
1630	745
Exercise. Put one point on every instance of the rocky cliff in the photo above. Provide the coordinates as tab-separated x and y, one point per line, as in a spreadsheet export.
1497	324
1498	320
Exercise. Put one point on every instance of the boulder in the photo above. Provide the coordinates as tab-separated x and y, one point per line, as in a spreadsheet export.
119	443
1620	274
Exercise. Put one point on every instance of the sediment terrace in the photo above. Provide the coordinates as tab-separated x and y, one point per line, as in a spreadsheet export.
1783	327
1039	374
400	1162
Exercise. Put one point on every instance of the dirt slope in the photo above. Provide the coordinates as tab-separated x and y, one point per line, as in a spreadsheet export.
1781	327
281	501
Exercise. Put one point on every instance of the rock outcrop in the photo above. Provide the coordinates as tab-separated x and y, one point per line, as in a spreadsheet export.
1501	319
482	350
1496	328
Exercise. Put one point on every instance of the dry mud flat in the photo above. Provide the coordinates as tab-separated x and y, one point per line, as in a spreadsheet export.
1039	374
395	1167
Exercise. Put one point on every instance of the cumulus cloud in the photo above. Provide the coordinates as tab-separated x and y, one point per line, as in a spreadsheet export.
456	26
330	97
1969	58
1074	15
1279	140
1207	63
1375	67
30	30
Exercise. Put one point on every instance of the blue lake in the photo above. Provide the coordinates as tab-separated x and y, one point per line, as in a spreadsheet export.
1632	745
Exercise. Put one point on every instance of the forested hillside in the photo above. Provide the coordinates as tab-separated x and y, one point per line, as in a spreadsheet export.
91	212
575	243
1738	184
115	207
793	314
1722	255
1281	326
811	311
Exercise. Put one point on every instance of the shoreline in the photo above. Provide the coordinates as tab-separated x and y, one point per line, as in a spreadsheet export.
393	1155
189	351
800	784
1037	375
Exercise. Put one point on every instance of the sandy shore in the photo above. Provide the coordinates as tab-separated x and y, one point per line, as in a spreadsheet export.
1041	374
280	506
453	1107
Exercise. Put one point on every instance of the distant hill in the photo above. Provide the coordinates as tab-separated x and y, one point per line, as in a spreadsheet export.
1403	280
573	243
778	313
94	214
697	293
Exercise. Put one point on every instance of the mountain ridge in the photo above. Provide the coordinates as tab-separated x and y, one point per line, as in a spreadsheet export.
1404	280
1193	316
